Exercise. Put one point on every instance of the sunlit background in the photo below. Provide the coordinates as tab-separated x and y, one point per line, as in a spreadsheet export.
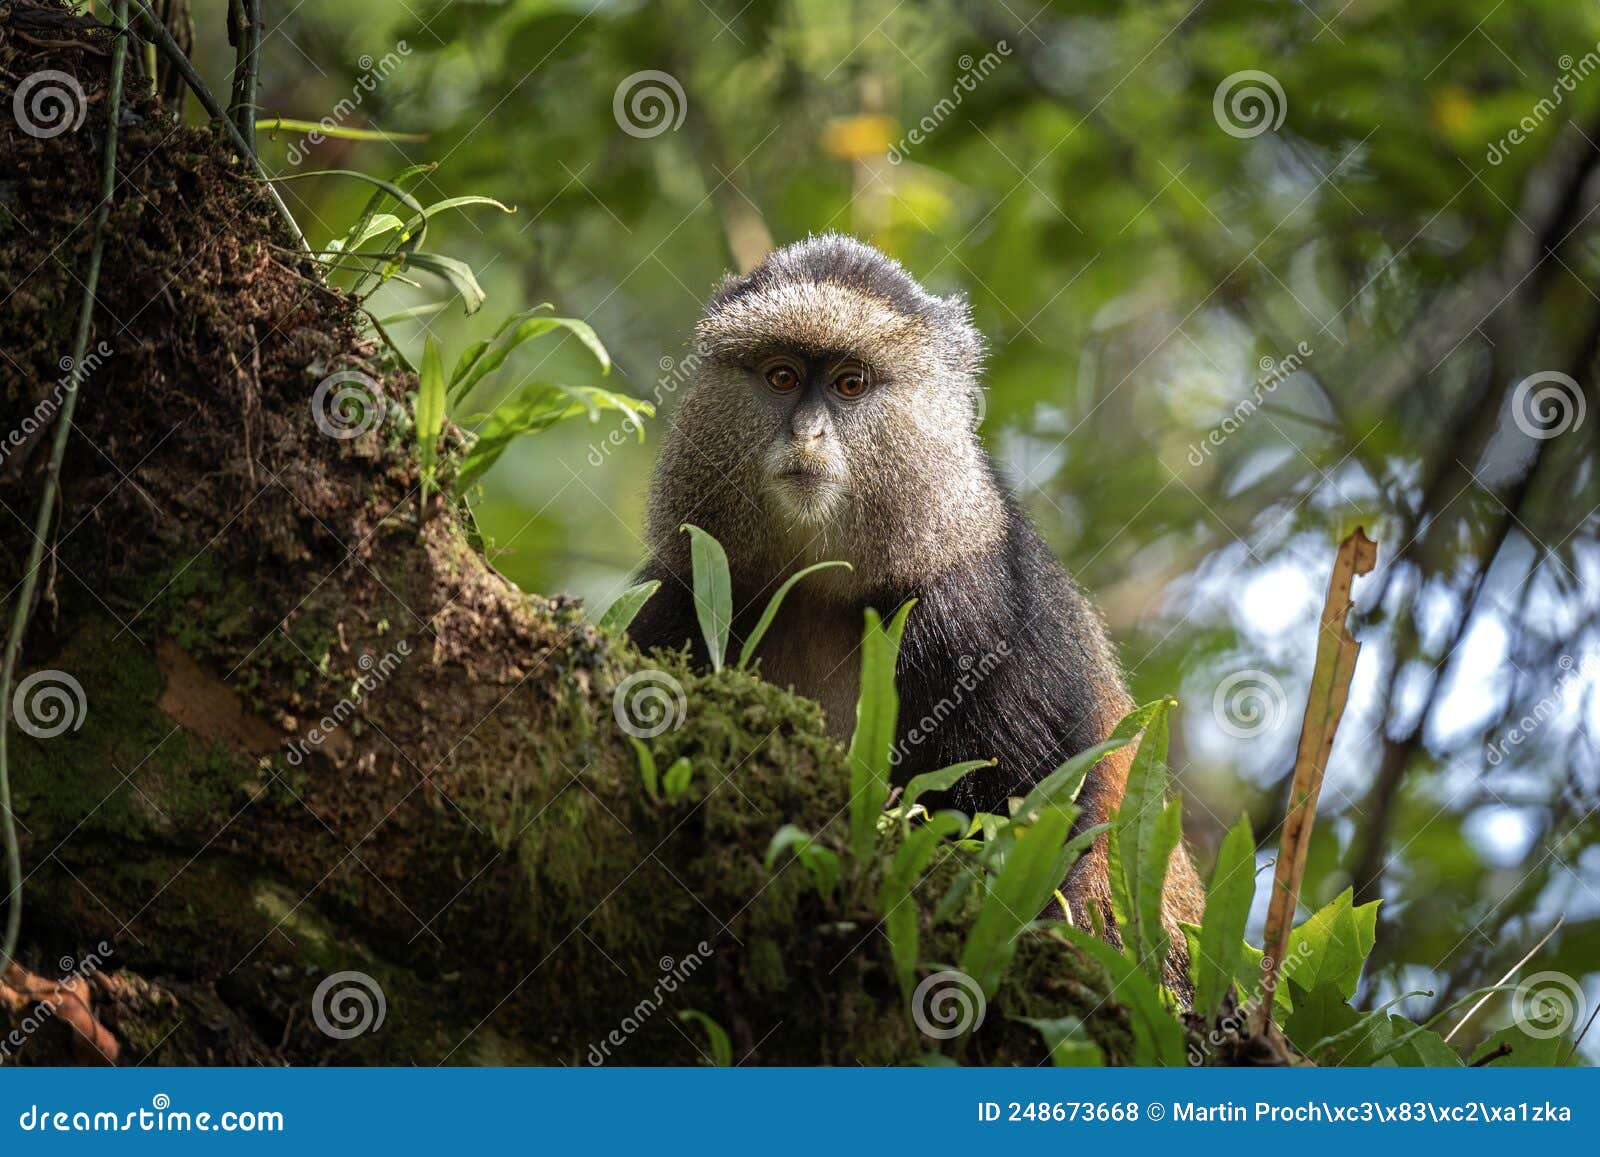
1252	274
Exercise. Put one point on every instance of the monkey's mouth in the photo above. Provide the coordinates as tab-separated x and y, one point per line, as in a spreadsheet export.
806	492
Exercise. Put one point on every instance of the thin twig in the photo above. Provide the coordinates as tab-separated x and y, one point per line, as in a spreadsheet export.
208	100
1506	979
52	480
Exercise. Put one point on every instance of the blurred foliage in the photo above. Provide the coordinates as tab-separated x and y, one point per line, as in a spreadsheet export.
1217	342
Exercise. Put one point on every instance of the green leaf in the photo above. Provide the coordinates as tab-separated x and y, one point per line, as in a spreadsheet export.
359	228
536	407
713	592
1347	1045
942	780
1069	1045
391	188
626	607
1157	1036
1143	835
1016	898
872	741
1216	961
748	652
721	1045
333	131
647	767
1526	1051
483	358
430	412
822	862
458	273
1062	785
676	781
1332	946
900	912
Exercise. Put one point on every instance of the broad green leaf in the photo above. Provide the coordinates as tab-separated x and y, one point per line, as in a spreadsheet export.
872	742
748	651
1143	834
900	912
1332	946
1526	1051
626	607
721	1045
1016	898
430	412
1216	960
676	781
713	592
647	767
1157	1036
942	780
1069	1045
1418	1047
1348	1045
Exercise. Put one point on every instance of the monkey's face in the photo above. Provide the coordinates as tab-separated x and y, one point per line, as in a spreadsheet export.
813	408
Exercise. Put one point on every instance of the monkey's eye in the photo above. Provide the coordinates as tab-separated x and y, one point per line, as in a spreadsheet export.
782	377
852	383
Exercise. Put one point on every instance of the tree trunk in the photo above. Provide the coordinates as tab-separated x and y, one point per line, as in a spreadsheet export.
318	734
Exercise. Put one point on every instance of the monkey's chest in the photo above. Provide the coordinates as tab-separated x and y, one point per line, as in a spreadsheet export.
814	649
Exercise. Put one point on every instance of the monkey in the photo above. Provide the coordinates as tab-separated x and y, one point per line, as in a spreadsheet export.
833	416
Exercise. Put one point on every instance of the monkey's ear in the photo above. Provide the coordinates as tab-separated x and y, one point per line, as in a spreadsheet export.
966	342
